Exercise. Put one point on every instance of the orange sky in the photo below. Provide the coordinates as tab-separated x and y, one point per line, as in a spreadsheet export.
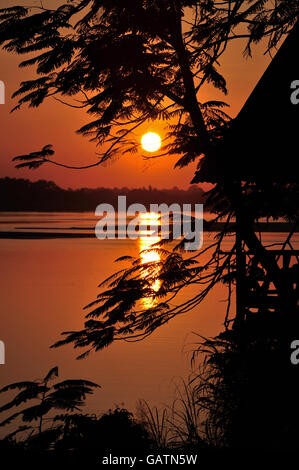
53	123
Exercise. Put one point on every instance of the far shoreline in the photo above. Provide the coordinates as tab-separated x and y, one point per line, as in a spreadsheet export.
212	227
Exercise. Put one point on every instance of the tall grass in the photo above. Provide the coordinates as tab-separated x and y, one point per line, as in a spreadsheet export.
178	425
156	423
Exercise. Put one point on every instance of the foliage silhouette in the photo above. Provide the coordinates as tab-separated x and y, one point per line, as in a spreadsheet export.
135	61
138	61
246	385
73	437
67	396
179	426
131	69
117	432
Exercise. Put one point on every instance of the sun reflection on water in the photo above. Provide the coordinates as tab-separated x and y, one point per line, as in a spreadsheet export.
150	221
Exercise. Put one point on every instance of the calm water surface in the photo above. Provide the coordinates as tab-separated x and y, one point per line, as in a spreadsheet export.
44	286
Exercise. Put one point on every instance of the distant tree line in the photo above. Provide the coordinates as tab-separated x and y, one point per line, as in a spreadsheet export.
24	195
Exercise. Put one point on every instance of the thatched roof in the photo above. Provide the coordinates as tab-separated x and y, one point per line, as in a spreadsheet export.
263	141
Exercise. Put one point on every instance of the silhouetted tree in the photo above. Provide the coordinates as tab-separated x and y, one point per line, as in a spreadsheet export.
67	396
137	61
134	61
56	429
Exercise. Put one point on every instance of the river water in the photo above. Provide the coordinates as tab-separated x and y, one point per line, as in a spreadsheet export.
45	283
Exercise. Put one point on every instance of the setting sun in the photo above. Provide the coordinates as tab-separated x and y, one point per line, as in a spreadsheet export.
151	142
